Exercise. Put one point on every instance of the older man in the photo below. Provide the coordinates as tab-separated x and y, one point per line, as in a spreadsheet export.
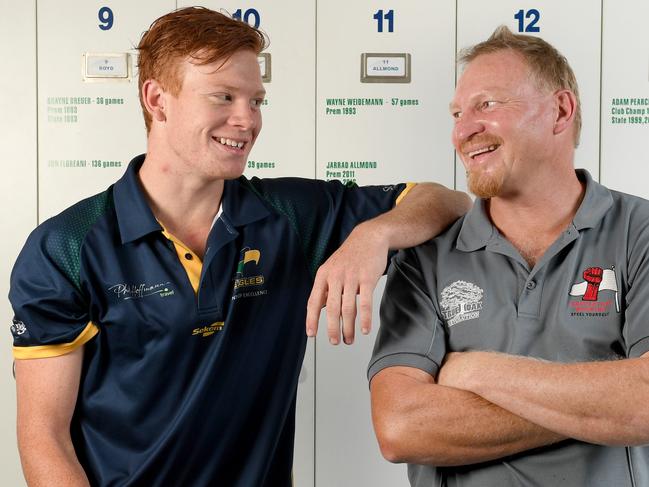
513	348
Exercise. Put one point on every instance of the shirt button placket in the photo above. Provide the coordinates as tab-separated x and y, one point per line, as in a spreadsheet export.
530	300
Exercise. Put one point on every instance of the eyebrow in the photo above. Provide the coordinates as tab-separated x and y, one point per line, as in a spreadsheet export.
261	92
487	92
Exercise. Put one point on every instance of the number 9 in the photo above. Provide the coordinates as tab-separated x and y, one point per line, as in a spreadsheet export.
106	18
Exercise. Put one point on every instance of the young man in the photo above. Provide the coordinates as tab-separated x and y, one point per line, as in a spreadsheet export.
513	348
159	325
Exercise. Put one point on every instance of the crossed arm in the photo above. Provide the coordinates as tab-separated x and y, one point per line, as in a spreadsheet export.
355	268
488	405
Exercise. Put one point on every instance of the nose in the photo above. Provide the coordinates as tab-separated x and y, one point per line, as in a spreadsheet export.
243	116
466	127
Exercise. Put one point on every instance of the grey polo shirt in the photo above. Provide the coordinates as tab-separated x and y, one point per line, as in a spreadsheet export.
586	299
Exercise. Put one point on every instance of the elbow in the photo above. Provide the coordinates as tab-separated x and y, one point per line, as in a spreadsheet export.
391	449
463	202
392	439
454	203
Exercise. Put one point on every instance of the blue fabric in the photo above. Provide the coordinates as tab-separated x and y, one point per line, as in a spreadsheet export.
168	395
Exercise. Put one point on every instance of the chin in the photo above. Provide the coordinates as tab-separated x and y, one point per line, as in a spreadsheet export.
232	172
486	186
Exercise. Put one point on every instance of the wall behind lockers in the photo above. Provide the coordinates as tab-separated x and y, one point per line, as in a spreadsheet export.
63	138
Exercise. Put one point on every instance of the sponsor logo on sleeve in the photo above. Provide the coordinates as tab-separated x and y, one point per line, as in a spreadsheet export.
18	328
461	301
598	290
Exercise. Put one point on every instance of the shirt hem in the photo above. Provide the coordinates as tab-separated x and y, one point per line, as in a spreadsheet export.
405	191
45	351
403	360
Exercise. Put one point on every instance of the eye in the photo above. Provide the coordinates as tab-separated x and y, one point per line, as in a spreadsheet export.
222	98
257	102
456	114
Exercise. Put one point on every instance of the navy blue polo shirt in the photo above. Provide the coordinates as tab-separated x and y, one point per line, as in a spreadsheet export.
190	367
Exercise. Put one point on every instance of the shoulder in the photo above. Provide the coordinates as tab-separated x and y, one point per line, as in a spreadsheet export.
427	256
59	239
291	189
630	204
73	223
442	244
303	199
630	215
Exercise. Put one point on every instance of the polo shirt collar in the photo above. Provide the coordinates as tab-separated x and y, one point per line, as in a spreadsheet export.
596	203
477	230
241	203
134	216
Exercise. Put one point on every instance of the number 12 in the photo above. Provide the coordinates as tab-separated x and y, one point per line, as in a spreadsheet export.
531	27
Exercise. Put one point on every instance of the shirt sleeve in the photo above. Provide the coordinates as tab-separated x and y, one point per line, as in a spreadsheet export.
323	213
411	332
51	315
636	326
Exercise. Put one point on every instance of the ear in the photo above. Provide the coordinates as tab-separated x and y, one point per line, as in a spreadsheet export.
154	98
566	104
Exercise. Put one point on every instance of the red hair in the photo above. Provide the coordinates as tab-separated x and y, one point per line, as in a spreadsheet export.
204	35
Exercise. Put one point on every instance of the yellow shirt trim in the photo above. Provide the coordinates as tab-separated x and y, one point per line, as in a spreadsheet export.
44	351
406	190
192	267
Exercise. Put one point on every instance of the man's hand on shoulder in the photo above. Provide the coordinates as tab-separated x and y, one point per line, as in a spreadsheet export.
354	269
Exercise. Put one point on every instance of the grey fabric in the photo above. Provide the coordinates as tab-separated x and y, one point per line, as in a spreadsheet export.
470	289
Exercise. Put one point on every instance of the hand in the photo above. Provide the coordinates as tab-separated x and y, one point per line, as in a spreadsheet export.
593	275
353	269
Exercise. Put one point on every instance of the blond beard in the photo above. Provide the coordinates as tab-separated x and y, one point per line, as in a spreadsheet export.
486	185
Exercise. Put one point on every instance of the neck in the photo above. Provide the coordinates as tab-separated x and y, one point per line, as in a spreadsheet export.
534	218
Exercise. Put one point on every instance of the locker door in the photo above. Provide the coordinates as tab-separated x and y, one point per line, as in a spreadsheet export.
89	127
385	77
625	96
18	213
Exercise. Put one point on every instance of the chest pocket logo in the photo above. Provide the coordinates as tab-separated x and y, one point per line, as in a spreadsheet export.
247	255
461	301
248	280
595	280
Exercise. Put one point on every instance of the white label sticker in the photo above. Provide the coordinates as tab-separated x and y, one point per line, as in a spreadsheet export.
106	65
262	65
386	66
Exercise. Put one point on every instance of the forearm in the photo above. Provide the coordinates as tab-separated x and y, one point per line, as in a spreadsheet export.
50	460
597	402
424	212
444	426
46	390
